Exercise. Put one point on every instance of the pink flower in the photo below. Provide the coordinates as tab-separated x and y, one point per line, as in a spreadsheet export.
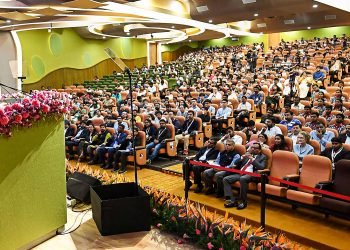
159	225
46	108
8	108
210	235
210	246
2	113
4	120
25	101
36	103
18	118
64	110
17	106
242	248
180	241
25	115
221	248
173	218
198	232
37	117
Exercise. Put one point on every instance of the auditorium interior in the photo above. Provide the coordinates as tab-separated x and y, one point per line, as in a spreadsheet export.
175	124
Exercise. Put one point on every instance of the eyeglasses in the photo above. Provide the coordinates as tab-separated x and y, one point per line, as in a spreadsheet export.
255	148
229	144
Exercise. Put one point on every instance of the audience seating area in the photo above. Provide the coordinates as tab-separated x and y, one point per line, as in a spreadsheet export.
212	80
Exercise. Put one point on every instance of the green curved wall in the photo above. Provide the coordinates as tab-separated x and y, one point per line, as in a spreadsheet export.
44	52
310	34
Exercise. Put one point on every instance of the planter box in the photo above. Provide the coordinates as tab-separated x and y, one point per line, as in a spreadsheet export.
119	208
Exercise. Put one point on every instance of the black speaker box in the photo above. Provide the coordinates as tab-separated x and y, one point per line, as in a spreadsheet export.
120	208
78	186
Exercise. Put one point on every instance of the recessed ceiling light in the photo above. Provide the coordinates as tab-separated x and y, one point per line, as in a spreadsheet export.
261	25
49	30
190	40
256	14
315	6
104	37
261	33
248	1
202	8
128	33
210	21
309	28
173	27
8	21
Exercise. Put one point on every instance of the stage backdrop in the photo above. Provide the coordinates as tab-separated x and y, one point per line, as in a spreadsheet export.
32	183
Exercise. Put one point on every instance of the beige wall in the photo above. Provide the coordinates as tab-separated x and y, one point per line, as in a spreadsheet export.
274	39
8	53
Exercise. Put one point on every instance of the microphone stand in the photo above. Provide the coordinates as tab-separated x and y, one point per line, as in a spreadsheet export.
127	70
12	88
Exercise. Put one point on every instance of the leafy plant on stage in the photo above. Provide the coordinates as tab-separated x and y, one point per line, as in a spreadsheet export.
31	108
209	230
103	176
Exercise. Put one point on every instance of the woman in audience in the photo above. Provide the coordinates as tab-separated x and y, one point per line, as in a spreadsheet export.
303	148
262	140
279	144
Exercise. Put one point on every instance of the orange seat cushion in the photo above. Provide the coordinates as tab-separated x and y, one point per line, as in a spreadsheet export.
303	197
274	190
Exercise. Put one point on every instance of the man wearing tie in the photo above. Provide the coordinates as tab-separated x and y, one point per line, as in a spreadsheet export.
249	162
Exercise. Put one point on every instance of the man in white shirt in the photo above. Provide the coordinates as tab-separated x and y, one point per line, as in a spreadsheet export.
294	133
221	115
297	105
244	105
194	106
215	95
230	134
270	129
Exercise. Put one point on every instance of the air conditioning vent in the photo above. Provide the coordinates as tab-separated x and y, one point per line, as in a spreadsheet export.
202	8
330	17
261	25
248	1
291	21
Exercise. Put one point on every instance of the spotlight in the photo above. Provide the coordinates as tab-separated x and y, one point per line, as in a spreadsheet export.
173	27
210	21
8	21
315	6
190	40
104	37
128	33
256	14
309	28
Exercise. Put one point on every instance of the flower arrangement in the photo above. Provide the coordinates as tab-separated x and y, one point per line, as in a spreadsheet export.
209	230
31	108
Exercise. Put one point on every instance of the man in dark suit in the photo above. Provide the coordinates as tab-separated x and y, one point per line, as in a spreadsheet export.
149	130
111	147
345	137
68	130
336	152
188	129
82	134
162	134
124	151
249	162
205	154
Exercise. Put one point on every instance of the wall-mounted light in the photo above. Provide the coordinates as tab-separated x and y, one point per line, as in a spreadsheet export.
104	37
210	21
315	6
50	28
8	21
256	14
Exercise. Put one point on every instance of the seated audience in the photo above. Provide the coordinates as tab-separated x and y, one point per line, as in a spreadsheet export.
227	159
158	143
205	154
188	129
249	162
279	144
303	148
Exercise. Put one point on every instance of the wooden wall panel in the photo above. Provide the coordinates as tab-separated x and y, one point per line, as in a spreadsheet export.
173	55
68	76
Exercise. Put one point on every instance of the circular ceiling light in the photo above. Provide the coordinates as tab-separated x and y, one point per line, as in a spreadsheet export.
210	21
256	14
315	6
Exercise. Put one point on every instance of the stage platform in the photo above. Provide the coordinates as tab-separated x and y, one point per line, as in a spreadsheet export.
301	225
